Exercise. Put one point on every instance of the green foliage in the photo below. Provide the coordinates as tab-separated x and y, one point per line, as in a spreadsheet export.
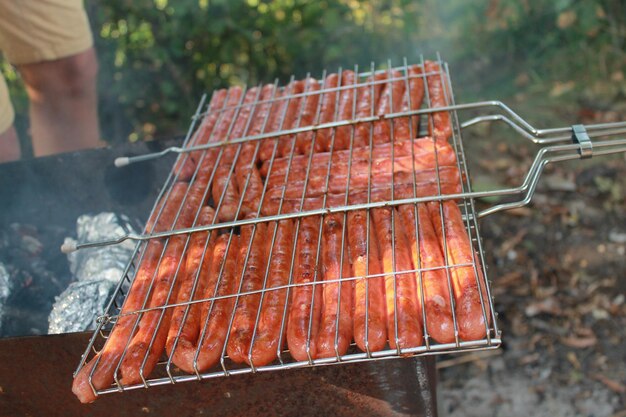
157	57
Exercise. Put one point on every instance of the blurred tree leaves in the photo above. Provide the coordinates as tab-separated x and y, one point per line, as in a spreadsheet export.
157	57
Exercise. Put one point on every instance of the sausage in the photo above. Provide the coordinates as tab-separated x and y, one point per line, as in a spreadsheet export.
261	121
148	343
423	151
247	176
254	239
265	346
162	218
400	290
108	358
274	124
369	293
346	100
412	100
317	186
204	134
224	182
185	166
186	318
243	121
327	112
335	334
258	123
252	183
225	193
292	205
304	139
306	301
434	283
224	121
358	169
216	313
366	106
291	119
441	127
206	127
389	102
471	321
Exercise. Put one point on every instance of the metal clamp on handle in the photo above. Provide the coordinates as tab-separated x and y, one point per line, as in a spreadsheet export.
580	146
580	136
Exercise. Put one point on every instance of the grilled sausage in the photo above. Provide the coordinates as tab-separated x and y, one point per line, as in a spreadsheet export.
304	139
204	134
389	102
286	143
224	121
359	169
335	332
370	327
185	166
186	318
163	218
400	292
346	100
107	360
253	242
274	124
216	313
441	129
434	283
327	112
247	176
260	123
318	186
292	205
366	106
224	181
422	150
265	346
225	193
407	127
306	302
149	342
472	322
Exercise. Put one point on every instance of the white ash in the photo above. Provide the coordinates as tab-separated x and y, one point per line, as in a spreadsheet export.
5	290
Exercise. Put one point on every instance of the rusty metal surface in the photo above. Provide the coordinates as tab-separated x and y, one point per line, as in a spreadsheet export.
36	377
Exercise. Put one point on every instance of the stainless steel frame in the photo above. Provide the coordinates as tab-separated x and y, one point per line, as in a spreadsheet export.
562	144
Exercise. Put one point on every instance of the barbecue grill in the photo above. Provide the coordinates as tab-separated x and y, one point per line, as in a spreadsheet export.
561	144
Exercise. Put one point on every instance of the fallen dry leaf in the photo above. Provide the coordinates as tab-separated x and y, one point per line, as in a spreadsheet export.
610	383
579	342
571	357
548	305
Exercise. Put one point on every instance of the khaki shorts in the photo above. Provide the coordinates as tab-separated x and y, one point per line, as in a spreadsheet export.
33	31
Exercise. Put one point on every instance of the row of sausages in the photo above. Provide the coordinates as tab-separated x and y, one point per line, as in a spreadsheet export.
292	275
236	170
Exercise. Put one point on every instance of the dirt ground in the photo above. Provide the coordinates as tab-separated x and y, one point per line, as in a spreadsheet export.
558	271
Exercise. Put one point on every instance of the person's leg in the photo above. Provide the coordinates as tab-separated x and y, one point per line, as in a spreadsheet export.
63	103
9	143
9	146
51	44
